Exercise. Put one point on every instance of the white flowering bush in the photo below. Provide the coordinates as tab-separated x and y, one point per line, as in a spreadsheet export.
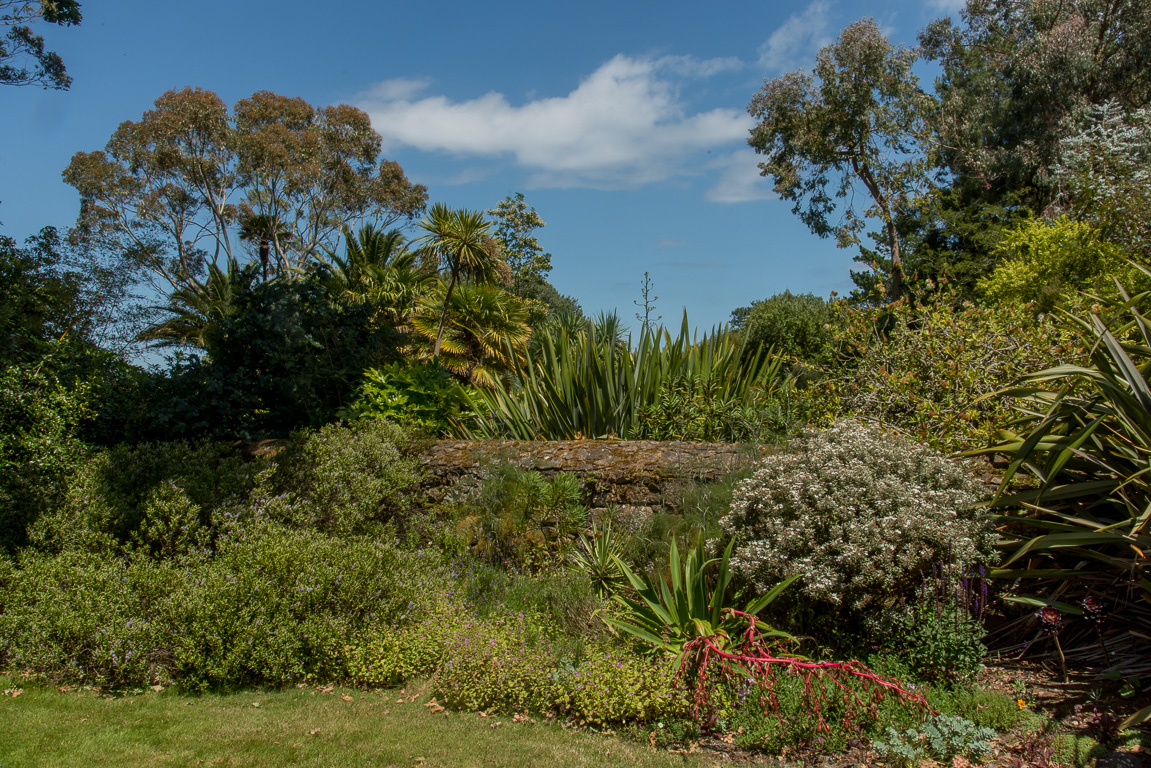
859	512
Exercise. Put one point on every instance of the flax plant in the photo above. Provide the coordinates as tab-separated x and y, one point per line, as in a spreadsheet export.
585	384
1084	434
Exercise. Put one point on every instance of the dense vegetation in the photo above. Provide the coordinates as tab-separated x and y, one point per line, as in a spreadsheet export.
250	513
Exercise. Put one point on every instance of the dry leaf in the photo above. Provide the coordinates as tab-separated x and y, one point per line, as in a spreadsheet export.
346	697
314	733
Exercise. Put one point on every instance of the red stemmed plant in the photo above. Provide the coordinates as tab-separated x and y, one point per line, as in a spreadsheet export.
687	617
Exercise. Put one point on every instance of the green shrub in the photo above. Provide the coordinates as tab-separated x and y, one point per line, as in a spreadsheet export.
424	396
141	496
504	664
987	708
339	479
279	605
857	513
410	646
520	518
81	617
613	686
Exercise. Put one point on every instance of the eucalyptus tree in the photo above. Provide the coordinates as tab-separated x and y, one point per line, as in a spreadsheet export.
169	190
860	118
515	222
462	242
23	58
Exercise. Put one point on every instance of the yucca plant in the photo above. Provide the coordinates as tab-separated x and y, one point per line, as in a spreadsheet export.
597	555
1084	434
590	384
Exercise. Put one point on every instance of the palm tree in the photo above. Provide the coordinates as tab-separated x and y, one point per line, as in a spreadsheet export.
485	334
199	307
462	244
377	267
265	231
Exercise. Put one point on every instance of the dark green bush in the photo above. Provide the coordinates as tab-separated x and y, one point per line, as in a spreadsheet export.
165	498
940	642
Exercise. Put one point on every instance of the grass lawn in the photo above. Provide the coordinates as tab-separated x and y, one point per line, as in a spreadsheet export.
306	727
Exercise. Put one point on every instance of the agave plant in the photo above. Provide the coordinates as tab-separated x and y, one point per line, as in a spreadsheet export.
669	616
1084	434
591	384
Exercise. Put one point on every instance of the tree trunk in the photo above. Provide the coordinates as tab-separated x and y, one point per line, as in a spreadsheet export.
896	261
444	315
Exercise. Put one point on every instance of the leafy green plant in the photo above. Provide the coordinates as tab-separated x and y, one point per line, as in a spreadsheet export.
521	518
420	395
942	737
940	641
611	686
1083	434
672	616
590	384
929	368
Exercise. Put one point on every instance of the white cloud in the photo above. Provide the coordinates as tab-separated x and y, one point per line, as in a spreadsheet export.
947	6
623	126
739	181
794	44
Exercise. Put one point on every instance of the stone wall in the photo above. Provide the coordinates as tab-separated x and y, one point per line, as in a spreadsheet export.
640	473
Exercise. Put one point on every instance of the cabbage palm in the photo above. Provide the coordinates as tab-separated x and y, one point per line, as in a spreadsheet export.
482	328
462	243
378	267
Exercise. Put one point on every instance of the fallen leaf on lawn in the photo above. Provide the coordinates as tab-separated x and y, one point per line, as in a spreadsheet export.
314	733
157	688
434	708
346	697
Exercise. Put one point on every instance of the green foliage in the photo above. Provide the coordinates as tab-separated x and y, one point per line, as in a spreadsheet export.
423	396
515	221
612	686
932	370
157	497
987	708
940	641
521	518
859	513
278	606
1047	263
942	737
700	410
287	356
21	47
1083	433
84	617
504	664
586	383
795	326
596	556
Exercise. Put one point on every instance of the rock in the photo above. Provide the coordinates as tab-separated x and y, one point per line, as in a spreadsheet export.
1119	760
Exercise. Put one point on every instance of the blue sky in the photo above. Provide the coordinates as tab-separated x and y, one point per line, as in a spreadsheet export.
623	124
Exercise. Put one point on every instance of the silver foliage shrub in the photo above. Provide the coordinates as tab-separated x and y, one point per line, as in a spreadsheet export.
859	512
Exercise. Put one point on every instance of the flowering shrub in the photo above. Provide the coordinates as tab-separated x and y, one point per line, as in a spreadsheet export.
857	512
390	653
503	663
613	686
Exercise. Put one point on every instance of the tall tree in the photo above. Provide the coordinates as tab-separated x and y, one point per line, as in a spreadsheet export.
462	242
515	222
170	189
23	59
859	119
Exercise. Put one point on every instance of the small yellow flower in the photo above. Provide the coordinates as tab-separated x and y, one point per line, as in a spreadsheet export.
1022	704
